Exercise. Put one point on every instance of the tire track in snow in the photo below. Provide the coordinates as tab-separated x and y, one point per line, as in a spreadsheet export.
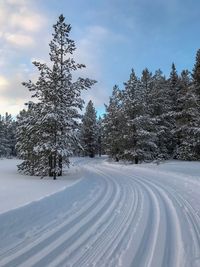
173	243
55	248
26	252
87	238
108	239
187	215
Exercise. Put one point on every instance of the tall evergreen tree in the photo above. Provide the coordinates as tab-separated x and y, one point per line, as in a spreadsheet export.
100	136
7	136
89	130
196	75
54	117
139	129
188	131
164	118
113	123
172	94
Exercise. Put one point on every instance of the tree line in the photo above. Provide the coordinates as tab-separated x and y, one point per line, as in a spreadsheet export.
155	118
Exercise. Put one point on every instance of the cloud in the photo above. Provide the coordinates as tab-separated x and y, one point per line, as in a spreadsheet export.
21	27
12	94
3	82
20	22
19	39
27	21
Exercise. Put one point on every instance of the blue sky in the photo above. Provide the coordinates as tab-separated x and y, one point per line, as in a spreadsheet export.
112	36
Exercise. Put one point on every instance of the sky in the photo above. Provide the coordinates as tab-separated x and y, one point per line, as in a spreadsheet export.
111	36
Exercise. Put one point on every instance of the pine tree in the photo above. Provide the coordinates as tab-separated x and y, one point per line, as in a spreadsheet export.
113	124
54	118
100	136
134	130
89	130
26	139
7	136
196	75
187	120
173	91
188	123
2	138
161	112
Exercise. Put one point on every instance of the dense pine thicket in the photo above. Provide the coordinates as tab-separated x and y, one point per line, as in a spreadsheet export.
47	131
7	136
155	118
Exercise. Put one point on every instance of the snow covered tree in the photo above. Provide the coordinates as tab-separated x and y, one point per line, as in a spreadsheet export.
138	133
52	122
100	148
173	91
187	121
26	139
89	130
112	125
2	138
160	109
196	75
7	136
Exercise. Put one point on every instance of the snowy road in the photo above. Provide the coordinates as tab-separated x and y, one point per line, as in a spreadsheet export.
116	216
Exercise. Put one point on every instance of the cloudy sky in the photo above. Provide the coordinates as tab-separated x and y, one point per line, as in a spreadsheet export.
112	36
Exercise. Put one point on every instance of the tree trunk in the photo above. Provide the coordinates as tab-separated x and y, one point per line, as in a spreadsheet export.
60	165
50	166
54	165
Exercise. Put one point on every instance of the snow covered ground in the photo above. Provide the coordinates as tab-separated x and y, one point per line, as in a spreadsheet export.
17	190
116	215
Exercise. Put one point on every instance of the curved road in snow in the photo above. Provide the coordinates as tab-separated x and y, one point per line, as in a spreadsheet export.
116	216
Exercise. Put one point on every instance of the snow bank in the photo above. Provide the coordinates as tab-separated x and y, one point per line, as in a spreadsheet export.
18	190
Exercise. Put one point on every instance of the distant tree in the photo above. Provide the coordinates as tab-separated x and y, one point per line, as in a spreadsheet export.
188	122
27	137
113	122
7	136
89	130
54	118
139	127
100	148
2	138
160	108
188	131
196	75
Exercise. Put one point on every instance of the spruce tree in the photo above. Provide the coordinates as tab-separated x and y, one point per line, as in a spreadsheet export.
100	136
113	123
7	136
196	75
163	117
89	130
2	138
134	130
54	118
187	121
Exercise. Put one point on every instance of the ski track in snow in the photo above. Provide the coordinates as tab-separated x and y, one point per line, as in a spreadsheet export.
127	219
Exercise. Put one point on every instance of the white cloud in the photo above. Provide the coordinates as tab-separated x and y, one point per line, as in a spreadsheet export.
20	22
3	82
19	39
27	22
12	94
16	2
